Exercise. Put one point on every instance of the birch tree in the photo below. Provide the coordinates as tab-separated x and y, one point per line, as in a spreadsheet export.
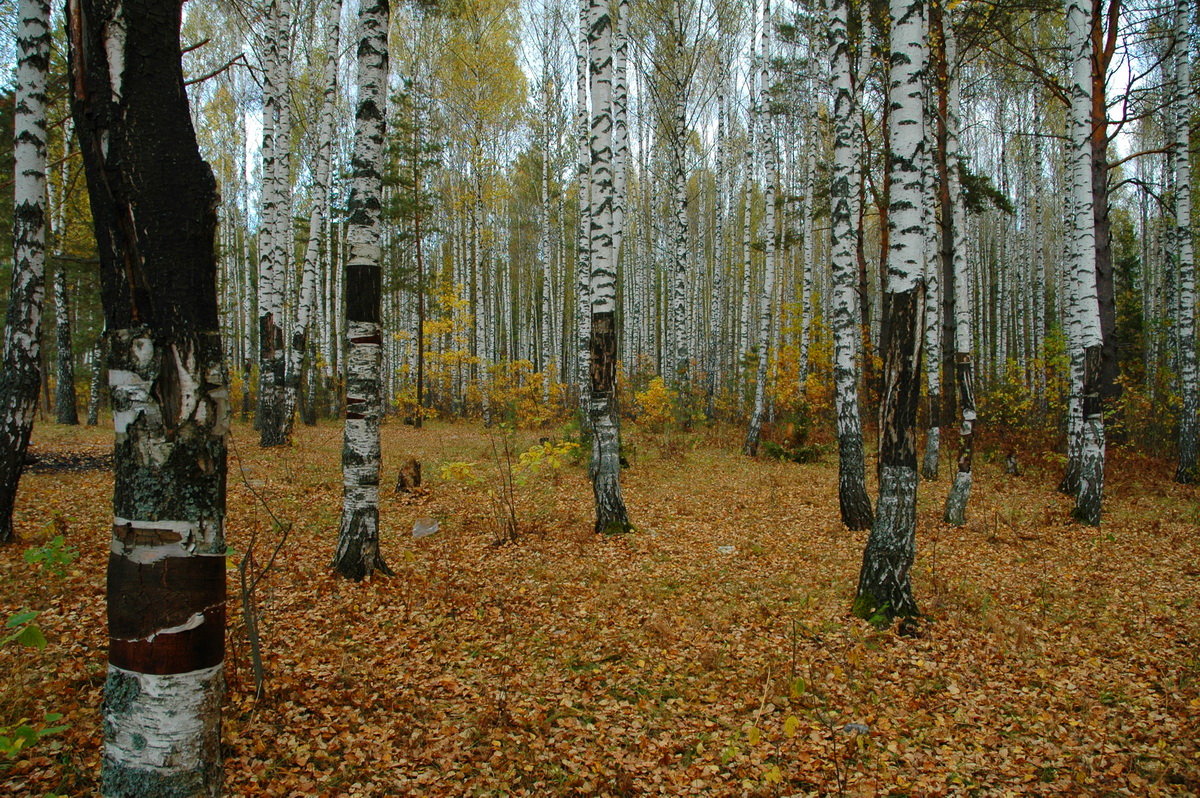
1184	103
884	589
958	289
602	286
1081	258
273	245
853	500
358	554
166	569
21	376
750	447
316	226
66	410
583	311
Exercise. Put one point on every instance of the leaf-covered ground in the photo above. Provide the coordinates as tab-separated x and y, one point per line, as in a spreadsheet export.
709	653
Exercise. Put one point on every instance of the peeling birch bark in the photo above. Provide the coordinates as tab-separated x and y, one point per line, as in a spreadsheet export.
155	232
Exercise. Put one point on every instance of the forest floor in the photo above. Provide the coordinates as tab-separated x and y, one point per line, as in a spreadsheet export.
710	652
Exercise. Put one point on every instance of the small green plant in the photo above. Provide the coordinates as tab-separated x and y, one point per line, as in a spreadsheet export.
14	738
27	633
21	735
53	556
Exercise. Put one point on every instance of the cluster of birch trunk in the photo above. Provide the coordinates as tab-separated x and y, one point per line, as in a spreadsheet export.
725	220
731	182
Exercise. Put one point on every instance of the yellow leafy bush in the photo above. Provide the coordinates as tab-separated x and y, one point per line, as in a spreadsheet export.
656	404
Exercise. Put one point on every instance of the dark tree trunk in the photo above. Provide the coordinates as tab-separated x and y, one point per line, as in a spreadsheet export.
154	205
883	585
1102	50
65	401
310	378
95	394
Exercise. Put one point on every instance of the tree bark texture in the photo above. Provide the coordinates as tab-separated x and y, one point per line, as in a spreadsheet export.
956	285
754	429
358	555
154	205
21	375
1087	339
1187	471
602	287
306	308
65	401
95	380
853	499
884	589
273	247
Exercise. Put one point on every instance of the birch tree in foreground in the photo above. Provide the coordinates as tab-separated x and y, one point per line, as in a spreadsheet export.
21	375
1081	261
884	589
166	569
852	488
606	435
357	554
1189	426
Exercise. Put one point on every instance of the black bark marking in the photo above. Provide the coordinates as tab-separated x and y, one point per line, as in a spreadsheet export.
363	286
144	599
603	348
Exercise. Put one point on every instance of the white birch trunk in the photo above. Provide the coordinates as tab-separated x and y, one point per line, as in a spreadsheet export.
21	376
65	408
932	327
1187	471
884	587
808	264
316	228
750	447
680	265
358	554
271	245
546	360
1090	492
854	502
605	466
960	489
583	305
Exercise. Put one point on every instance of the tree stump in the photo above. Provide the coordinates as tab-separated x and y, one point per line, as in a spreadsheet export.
409	476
